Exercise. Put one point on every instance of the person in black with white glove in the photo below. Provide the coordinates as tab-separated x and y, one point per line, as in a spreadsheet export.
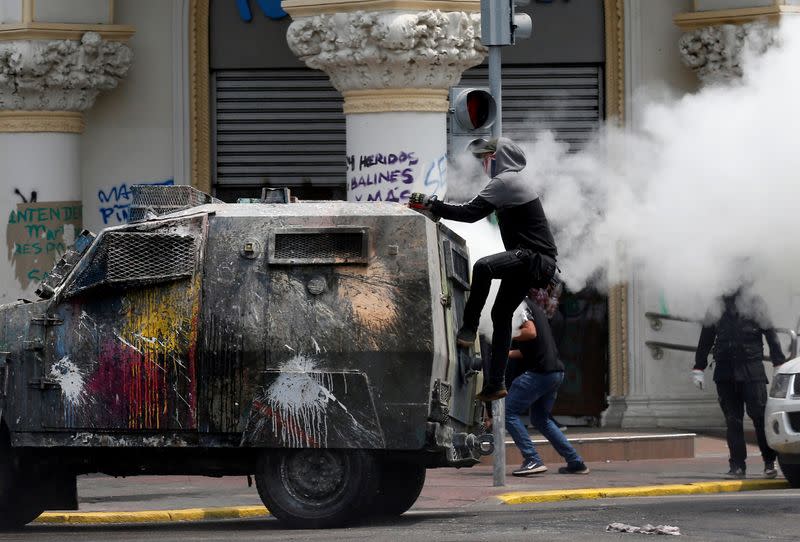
735	340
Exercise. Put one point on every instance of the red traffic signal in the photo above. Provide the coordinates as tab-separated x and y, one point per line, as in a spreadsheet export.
473	109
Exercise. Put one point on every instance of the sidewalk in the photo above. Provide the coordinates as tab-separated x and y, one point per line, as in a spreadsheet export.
470	486
444	488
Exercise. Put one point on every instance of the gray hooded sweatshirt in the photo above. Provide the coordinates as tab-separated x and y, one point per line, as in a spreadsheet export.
520	215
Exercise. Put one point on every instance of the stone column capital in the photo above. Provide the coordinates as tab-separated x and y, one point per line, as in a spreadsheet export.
362	52
59	75
715	52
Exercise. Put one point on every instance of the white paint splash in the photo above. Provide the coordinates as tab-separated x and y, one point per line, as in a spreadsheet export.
299	401
69	377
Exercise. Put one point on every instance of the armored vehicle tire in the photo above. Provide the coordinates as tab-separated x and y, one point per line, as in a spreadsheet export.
791	471
17	515
317	488
400	486
18	497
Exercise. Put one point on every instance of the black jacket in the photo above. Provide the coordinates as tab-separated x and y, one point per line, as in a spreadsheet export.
736	342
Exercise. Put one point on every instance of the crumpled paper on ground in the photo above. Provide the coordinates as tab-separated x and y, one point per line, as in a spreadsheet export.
644	529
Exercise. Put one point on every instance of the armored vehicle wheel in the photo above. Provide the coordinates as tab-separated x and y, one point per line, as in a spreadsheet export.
18	499
317	488
791	471
400	486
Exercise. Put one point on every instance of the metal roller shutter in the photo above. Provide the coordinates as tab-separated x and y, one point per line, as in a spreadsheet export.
278	127
285	127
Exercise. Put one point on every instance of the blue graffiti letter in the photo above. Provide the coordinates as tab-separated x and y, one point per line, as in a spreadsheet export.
270	8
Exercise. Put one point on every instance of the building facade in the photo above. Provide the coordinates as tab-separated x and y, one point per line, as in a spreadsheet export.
230	97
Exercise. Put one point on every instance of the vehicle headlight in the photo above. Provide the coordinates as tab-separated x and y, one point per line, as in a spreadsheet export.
780	386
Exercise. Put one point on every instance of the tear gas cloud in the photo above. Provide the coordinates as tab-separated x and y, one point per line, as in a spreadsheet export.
702	192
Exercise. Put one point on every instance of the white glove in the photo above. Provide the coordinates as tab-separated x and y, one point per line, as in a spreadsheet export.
698	378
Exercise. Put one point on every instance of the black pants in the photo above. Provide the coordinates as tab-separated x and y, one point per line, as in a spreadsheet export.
734	398
518	271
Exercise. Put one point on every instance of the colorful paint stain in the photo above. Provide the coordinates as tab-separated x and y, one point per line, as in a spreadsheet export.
146	376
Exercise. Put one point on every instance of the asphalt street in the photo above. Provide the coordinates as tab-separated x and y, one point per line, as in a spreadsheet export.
763	515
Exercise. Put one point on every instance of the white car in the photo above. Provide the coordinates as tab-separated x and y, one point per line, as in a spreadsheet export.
782	419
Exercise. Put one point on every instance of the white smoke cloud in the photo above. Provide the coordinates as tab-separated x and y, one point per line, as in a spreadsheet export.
702	192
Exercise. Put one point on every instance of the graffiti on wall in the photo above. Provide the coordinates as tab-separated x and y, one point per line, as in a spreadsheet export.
38	234
270	8
29	199
381	177
436	176
114	203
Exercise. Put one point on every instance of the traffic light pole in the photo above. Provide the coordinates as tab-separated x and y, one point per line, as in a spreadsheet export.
498	407
501	25
495	86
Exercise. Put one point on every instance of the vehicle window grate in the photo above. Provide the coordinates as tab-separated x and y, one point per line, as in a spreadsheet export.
323	246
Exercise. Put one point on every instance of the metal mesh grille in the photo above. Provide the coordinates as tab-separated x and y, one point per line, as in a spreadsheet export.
164	199
320	247
444	392
440	401
145	257
133	258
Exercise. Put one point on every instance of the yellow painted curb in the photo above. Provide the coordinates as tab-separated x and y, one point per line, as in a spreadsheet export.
152	516
528	497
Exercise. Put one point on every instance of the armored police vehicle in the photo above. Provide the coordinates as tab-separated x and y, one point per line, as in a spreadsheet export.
311	345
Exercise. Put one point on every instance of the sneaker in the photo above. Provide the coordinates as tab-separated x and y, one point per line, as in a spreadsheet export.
737	472
491	393
769	469
466	336
577	467
530	467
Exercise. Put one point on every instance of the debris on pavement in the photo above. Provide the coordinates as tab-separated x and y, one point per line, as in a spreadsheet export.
644	529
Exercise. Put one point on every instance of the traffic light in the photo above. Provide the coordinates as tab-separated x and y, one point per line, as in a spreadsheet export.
473	110
501	24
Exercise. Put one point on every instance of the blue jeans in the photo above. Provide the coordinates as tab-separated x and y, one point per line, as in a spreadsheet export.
536	392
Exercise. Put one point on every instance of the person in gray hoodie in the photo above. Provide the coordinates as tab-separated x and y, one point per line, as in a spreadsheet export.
528	261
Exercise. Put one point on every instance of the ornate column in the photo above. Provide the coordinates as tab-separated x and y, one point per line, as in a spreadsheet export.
49	75
715	35
715	52
393	61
